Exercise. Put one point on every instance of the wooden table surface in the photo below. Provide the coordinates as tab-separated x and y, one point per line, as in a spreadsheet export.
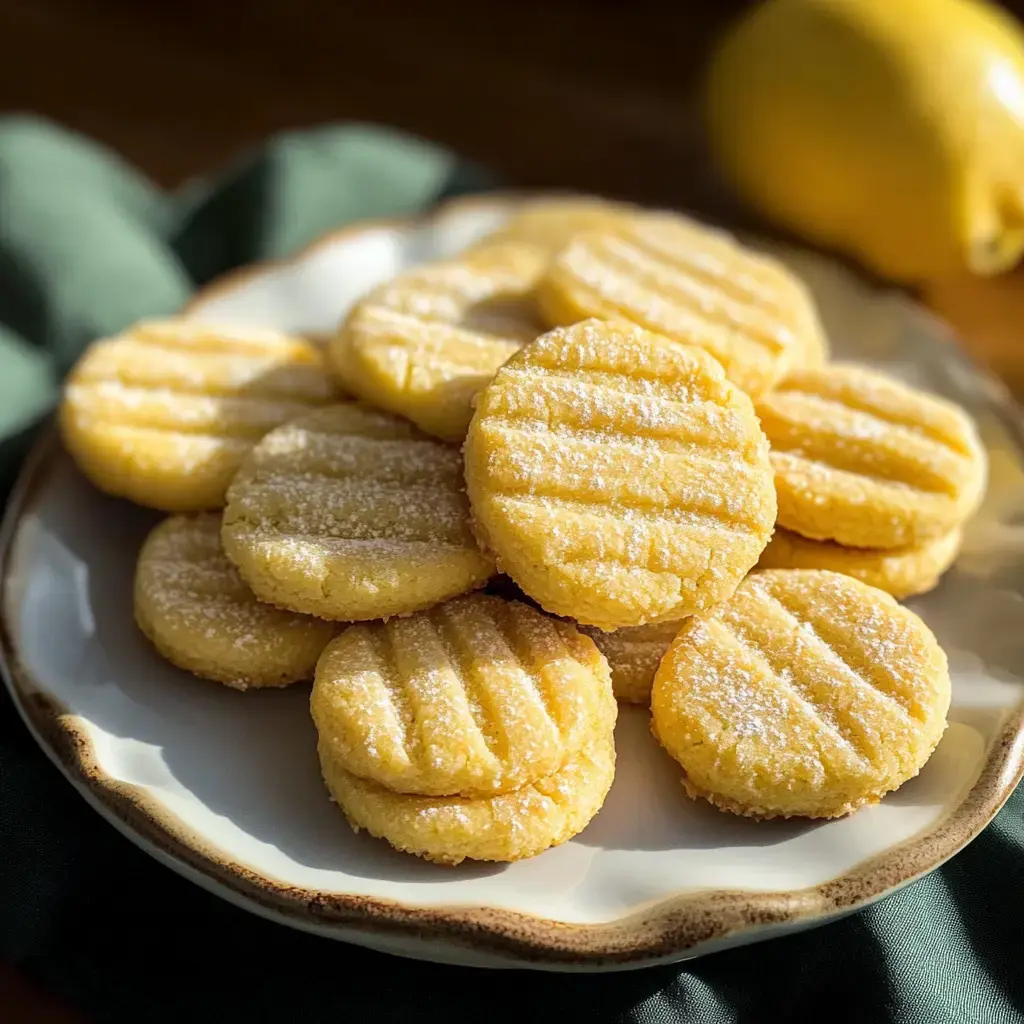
588	95
566	92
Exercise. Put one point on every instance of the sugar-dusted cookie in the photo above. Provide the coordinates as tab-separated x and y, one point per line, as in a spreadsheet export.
194	607
475	696
634	654
813	350
351	513
551	223
424	344
502	827
807	693
693	284
618	477
867	461
164	413
902	572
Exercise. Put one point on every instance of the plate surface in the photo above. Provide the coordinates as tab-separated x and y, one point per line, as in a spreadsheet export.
225	788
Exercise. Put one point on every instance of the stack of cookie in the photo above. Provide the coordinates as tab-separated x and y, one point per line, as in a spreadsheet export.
610	407
875	479
481	728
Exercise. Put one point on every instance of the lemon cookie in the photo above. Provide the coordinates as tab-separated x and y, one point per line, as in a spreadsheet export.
618	477
634	655
812	350
867	461
164	413
551	223
476	696
502	827
693	284
808	694
902	572
424	344
193	606
351	513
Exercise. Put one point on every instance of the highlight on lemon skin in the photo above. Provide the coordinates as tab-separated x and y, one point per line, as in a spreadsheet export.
891	132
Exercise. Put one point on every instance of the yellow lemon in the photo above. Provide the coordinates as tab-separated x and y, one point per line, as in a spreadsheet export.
891	130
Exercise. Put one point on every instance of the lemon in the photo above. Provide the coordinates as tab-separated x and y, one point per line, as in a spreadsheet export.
891	130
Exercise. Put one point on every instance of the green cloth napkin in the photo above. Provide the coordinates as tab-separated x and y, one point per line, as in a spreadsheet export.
88	245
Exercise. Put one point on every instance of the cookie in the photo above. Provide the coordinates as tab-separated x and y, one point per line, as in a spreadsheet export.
634	655
550	224
868	462
351	513
692	284
502	827
807	694
618	477
902	572
812	351
194	608
424	344
476	696
164	413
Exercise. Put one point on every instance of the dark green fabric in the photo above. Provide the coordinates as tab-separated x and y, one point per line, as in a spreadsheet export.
86	246
305	182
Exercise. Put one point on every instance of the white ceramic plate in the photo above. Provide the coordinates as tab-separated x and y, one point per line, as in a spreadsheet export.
224	787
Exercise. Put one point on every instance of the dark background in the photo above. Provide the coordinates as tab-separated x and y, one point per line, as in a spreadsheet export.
587	94
592	95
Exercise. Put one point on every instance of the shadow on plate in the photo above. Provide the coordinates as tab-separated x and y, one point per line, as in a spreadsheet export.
249	758
647	781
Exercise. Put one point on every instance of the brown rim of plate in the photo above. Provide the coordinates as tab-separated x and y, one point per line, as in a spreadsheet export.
669	929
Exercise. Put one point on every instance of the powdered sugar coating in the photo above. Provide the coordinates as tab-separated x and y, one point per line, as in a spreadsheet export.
868	461
619	478
192	604
424	344
475	696
502	827
694	284
164	413
807	693
902	572
351	513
